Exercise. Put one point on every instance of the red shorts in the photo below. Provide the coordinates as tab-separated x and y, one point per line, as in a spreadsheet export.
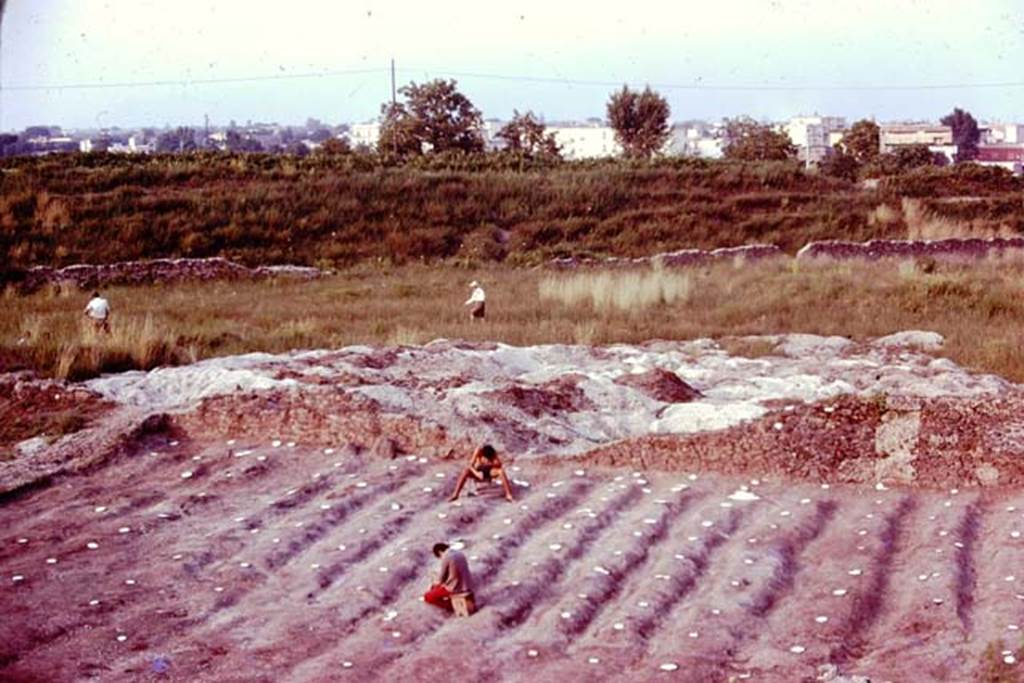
438	596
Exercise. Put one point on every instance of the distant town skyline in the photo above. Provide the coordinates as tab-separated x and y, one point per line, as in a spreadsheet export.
145	63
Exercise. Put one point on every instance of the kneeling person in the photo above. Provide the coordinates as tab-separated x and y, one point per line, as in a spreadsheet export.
453	578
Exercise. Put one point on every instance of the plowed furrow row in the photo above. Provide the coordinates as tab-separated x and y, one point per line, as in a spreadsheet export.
524	587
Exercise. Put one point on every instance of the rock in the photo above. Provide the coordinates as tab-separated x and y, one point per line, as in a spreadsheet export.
926	341
896	441
988	475
31	446
801	345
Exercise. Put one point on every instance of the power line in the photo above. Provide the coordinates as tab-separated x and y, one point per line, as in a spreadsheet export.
195	81
762	87
713	86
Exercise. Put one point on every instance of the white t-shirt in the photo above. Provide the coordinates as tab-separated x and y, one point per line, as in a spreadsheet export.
477	296
97	308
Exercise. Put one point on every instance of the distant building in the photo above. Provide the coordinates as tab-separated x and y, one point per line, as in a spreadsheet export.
365	134
695	139
812	135
1008	156
489	130
1003	133
892	136
585	141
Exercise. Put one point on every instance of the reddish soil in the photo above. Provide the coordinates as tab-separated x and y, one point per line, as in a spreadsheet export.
661	385
31	408
286	563
960	442
550	398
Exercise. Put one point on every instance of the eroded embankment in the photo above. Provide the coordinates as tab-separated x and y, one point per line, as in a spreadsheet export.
814	408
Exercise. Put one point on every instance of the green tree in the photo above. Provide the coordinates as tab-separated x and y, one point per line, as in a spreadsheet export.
748	140
335	147
525	135
178	140
640	120
861	141
435	117
966	134
903	159
840	164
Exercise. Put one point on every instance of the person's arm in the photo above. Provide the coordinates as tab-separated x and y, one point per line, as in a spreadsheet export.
446	567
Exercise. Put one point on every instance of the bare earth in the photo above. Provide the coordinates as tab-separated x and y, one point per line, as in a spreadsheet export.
270	519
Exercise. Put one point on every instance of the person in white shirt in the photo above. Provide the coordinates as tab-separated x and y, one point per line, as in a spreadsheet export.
98	311
476	301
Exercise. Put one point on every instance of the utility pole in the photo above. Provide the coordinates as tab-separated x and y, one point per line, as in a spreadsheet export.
394	104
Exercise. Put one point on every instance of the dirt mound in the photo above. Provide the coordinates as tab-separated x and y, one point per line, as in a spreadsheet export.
327	417
558	396
661	385
43	410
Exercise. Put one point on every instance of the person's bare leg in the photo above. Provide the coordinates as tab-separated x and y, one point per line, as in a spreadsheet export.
458	486
508	488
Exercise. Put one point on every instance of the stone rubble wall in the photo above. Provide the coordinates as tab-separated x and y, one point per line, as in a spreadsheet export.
964	249
85	276
679	259
953	248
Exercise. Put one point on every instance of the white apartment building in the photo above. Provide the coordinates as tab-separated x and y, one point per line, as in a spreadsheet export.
813	135
1003	134
583	141
891	136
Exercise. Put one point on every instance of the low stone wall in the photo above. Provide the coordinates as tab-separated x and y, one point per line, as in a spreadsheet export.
947	249
86	276
678	259
964	249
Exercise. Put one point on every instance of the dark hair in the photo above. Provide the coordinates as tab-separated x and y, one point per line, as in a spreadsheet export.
95	295
487	450
439	549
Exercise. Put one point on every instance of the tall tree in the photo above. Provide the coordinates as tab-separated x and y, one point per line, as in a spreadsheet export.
640	120
435	116
861	141
748	140
965	133
525	135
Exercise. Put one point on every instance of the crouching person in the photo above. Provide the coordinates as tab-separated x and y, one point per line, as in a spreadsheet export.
453	579
484	466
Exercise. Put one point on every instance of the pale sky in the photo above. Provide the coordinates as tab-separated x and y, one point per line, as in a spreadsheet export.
854	58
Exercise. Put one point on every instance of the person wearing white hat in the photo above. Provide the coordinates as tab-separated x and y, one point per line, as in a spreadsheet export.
477	302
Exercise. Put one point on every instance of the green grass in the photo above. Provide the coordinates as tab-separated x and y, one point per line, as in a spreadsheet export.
979	309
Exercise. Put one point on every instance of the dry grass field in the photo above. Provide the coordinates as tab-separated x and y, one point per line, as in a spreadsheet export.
978	308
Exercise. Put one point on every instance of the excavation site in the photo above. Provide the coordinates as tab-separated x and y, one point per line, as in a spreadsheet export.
822	509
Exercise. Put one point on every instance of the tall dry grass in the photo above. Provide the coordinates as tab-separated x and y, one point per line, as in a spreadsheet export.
923	224
979	308
631	291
